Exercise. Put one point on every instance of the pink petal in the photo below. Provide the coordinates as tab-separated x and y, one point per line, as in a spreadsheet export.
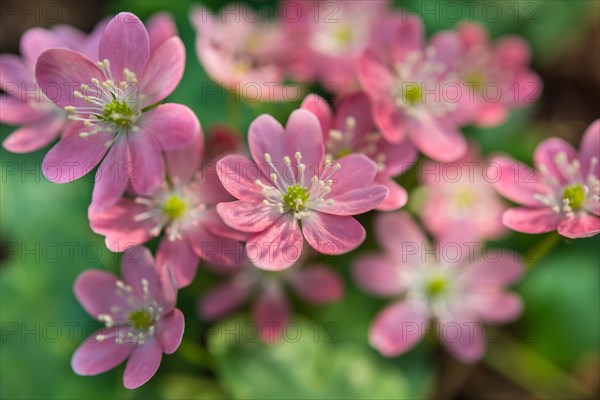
74	156
397	328
19	112
546	153
397	196
147	161
374	74
318	284
209	186
277	247
246	216
13	75
112	176
172	126
494	272
399	157
183	163
37	40
163	72
303	134
400	236
95	356
377	275
179	256
35	136
356	171
579	226
448	47
496	306
137	265
357	106
96	291
390	120
266	135
222	300
160	28
409	38
491	114
513	51
472	34
119	225
319	107
60	72
515	181
215	225
170	332
271	313
531	220
332	234
438	139
238	175
215	249
463	337
357	201
142	364
590	147
125	44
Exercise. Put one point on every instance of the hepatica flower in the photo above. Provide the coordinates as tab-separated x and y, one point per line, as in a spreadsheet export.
415	92
184	208
140	316
498	73
291	190
315	284
562	194
352	130
115	104
456	291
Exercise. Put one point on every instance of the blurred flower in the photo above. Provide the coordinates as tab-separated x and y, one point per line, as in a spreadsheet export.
116	111
277	195
315	284
140	317
329	38
223	140
352	130
498	73
459	200
562	194
415	93
457	290
241	52
184	206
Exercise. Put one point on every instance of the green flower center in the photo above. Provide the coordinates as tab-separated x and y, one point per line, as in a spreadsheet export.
476	79
140	319
343	34
412	93
436	286
174	207
343	152
117	112
296	197
575	195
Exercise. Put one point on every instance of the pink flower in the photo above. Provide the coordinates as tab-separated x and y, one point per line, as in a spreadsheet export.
459	201
315	284
114	102
140	317
24	103
562	194
184	207
352	130
498	73
281	200
415	93
242	52
460	295
329	38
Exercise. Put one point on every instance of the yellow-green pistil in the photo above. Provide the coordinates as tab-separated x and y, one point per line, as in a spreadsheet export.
296	197
436	286
140	319
174	207
575	195
412	94
117	112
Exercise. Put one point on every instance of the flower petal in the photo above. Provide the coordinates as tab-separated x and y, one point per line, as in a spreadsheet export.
170	331
397	196
95	356
409	38
125	44
319	107
357	201
183	163
215	249
246	216
112	176
318	284
496	306
142	364
590	147
531	220
374	74
579	226
332	234
137	266
303	134
35	136
172	126
95	291
401	237
160	28
356	171
497	272
163	72
222	300
546	154
19	112
238	175
179	256
463	337
389	119
397	328
515	181
377	275
438	139
147	161
277	247
270	312
14	73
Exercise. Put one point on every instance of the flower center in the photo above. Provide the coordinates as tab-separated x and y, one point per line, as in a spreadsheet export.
575	195
140	319
174	207
412	93
343	34
296	197
117	112
475	78
436	286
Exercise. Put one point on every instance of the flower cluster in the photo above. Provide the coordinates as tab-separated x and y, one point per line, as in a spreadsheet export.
255	216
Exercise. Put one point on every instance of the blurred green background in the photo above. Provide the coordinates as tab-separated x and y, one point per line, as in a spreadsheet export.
553	351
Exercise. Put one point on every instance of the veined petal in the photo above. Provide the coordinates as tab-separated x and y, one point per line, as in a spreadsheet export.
170	332
246	216
35	136
531	220
437	139
516	181
277	247
179	256
143	363
163	72
579	226
397	328
397	196
112	176
332	234
377	275
319	107
357	201
222	300
547	152
172	126
100	352
271	313
160	28
147	161
238	175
